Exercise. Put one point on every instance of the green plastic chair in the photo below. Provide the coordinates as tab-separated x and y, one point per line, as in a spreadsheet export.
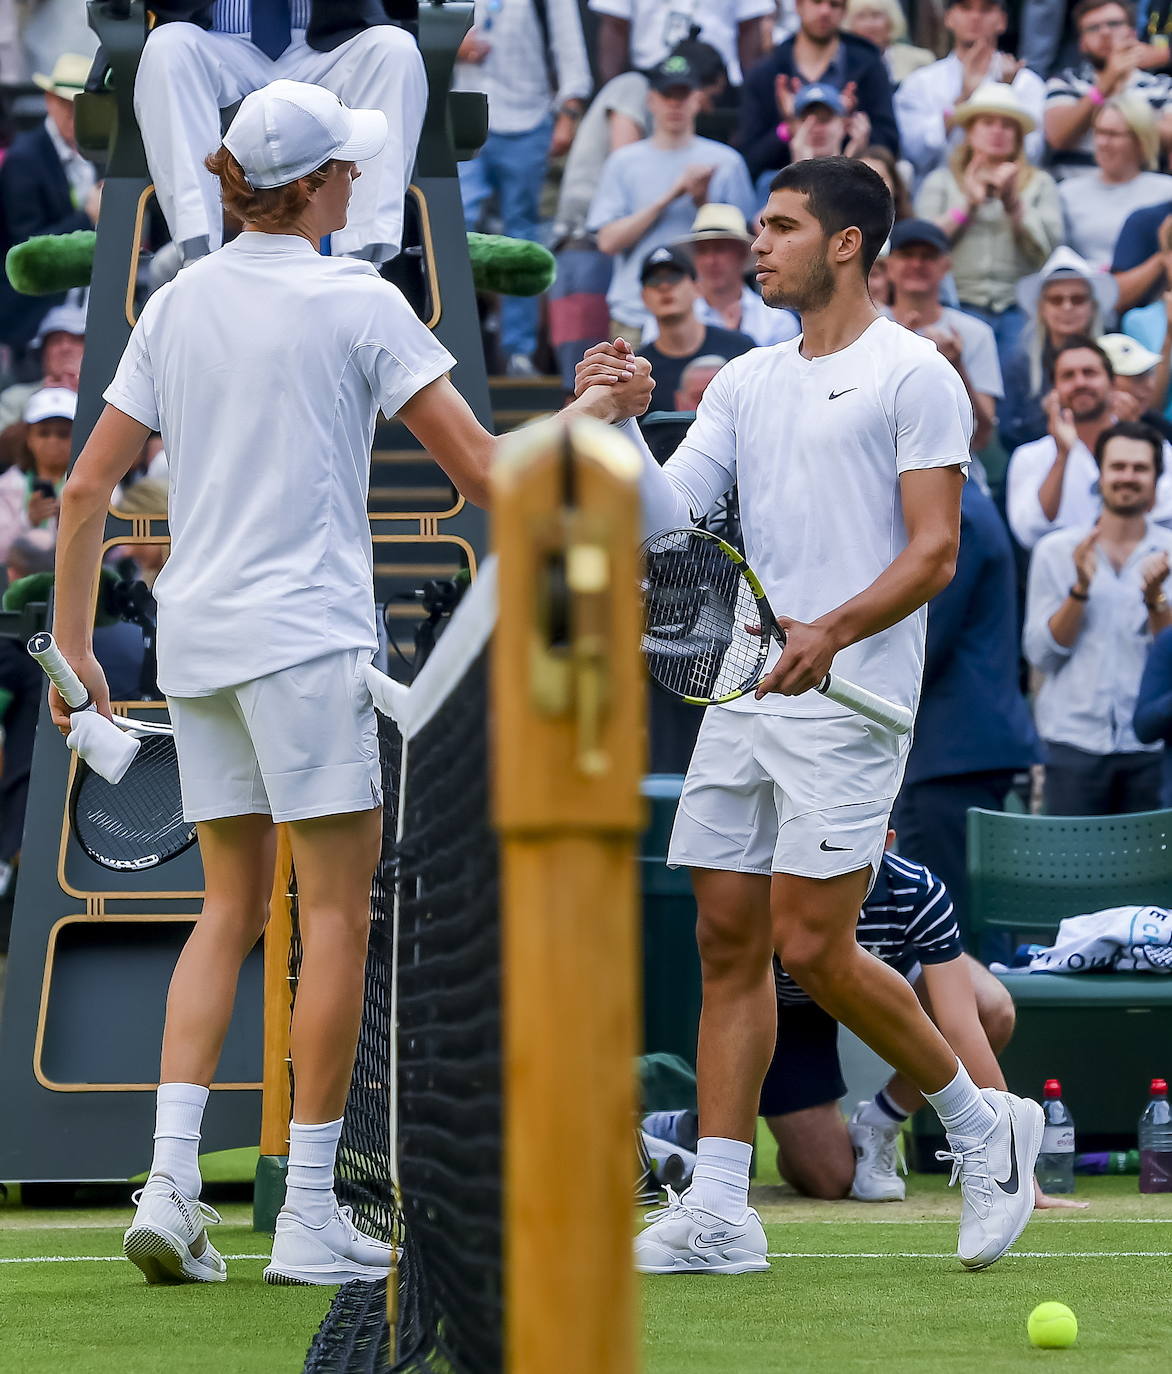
1026	873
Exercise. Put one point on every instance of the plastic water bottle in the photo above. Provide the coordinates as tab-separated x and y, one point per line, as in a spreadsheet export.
1155	1142
1056	1162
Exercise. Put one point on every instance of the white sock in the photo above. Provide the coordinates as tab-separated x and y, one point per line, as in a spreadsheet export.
178	1120
309	1186
720	1181
881	1111
961	1108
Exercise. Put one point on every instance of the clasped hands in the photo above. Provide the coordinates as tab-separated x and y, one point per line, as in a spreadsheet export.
614	384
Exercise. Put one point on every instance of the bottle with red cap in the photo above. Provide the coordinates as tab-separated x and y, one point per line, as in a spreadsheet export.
1055	1168
1155	1141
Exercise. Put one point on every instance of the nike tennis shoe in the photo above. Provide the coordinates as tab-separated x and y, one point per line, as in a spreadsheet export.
996	1176
168	1238
689	1240
877	1160
335	1252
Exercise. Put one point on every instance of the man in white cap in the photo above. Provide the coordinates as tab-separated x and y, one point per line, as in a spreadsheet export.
719	246
202	57
1141	380
263	366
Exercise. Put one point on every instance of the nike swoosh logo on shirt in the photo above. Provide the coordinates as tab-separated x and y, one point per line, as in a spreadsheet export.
1010	1185
834	395
834	848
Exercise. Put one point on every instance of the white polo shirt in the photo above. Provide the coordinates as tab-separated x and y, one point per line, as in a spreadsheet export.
264	366
817	447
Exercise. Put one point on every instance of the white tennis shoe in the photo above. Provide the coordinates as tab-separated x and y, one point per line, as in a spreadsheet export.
877	1160
168	1239
996	1178
335	1252
689	1240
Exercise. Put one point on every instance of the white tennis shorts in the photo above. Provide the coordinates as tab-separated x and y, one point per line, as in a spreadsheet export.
805	795
298	743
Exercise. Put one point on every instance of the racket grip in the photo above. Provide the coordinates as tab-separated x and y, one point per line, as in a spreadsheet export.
897	719
44	649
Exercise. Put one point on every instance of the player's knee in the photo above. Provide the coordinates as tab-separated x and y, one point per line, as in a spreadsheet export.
805	954
826	1179
998	1015
729	947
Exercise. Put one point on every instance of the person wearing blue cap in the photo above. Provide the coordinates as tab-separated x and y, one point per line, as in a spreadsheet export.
822	126
818	53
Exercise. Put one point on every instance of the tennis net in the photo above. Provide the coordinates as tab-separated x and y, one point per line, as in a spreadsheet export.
441	1133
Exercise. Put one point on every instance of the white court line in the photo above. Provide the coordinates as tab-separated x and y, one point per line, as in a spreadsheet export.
1013	1254
99	1259
1052	1217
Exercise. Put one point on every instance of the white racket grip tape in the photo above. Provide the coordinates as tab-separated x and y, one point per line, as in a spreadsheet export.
897	719
43	648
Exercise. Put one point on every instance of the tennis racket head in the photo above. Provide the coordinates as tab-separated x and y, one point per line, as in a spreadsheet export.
137	823
707	626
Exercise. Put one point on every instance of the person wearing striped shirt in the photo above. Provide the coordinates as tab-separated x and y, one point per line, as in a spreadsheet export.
908	922
200	58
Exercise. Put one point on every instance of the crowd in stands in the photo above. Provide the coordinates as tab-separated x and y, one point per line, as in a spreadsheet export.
1028	148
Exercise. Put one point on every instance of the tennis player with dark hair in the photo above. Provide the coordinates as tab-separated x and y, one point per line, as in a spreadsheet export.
264	366
849	446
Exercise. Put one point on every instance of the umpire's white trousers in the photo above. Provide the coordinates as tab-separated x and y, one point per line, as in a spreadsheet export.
187	75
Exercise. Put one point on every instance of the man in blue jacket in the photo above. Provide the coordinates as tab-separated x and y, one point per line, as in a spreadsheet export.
974	729
818	52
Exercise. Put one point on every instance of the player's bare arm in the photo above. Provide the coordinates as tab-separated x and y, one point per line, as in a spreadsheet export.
108	455
931	512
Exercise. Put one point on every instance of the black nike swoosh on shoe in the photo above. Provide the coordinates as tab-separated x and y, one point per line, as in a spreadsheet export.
713	1238
834	848
834	395
1011	1184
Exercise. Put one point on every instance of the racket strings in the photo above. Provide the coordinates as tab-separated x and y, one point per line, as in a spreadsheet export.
703	636
138	821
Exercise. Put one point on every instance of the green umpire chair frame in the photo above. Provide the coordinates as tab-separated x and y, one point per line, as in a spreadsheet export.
1104	1035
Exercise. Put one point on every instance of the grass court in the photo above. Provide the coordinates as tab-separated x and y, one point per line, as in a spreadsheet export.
852	1287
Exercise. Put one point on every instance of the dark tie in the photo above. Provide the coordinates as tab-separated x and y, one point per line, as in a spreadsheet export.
271	29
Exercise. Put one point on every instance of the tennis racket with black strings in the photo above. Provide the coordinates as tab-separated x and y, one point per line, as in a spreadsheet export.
709	627
136	823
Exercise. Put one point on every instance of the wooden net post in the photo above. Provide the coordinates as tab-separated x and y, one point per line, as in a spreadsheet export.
568	740
277	1093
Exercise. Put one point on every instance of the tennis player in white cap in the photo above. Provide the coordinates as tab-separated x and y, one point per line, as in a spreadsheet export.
264	365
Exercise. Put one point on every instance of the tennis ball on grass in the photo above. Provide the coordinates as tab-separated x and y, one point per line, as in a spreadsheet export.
1053	1326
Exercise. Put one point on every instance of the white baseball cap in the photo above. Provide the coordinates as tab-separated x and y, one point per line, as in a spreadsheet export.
50	403
1129	358
288	129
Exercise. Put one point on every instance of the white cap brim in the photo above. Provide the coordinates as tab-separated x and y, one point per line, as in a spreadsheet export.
368	136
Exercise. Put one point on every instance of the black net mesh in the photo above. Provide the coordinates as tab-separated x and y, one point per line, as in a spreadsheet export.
449	1074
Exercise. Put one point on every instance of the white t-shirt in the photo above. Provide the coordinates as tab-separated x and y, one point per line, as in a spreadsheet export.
658	25
264	365
816	447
